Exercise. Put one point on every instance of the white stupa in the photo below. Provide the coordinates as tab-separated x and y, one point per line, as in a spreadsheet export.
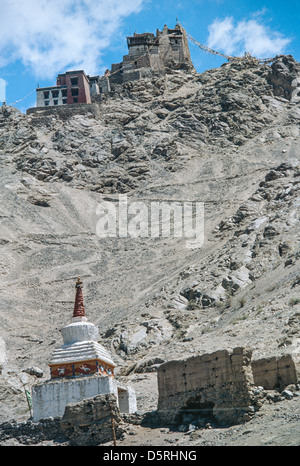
80	354
81	368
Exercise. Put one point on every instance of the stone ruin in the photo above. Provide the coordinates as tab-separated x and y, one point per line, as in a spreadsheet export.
276	372
92	421
89	422
220	387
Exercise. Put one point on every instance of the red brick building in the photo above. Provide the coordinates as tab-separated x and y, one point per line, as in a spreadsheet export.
72	87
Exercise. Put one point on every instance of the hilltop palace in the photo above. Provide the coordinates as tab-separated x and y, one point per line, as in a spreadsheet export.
148	54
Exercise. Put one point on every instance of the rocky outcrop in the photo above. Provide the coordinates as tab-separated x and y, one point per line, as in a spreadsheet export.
103	146
258	255
285	78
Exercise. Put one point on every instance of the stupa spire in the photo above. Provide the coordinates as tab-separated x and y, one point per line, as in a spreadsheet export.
80	353
79	310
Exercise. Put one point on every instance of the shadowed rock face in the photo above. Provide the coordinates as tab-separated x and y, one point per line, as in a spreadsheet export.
285	78
229	138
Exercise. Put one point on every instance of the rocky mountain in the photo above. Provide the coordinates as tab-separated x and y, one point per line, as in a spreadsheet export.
228	138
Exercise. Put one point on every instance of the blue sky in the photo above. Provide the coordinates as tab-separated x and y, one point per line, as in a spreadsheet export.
41	38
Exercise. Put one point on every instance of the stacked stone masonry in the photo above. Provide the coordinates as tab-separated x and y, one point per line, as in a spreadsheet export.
92	422
275	373
213	385
220	386
88	422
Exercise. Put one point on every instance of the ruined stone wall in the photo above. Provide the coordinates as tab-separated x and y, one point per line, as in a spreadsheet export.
32	433
104	86
216	385
275	373
136	75
89	422
92	421
63	111
143	57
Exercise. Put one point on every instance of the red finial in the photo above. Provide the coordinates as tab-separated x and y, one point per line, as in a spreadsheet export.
78	307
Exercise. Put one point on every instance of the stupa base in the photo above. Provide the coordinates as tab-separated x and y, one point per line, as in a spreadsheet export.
50	398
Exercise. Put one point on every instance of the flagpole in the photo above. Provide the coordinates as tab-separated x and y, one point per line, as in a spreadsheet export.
113	426
29	400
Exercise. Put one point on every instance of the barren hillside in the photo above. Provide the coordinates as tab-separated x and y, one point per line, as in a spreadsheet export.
229	138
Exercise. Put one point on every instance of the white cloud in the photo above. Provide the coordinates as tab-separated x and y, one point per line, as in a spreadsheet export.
49	36
245	36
